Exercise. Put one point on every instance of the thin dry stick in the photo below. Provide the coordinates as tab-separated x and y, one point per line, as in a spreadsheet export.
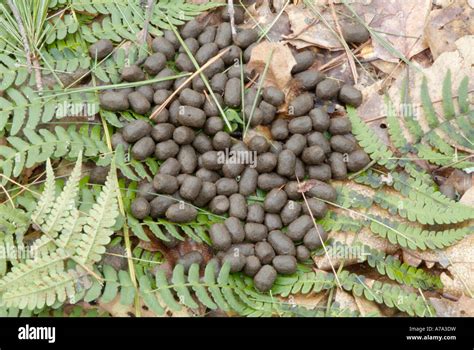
336	61
230	9
346	47
149	10
191	77
8	195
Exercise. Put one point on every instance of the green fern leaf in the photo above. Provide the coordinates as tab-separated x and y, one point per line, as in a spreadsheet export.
99	223
369	141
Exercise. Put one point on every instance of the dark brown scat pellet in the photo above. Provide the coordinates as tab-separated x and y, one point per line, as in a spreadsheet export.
238	206
190	188
166	184
265	278
290	212
181	213
338	166
284	264
281	243
143	148
202	143
236	261
298	228
220	237
207	193
101	49
246	37
327	89
183	135
269	181
146	190
161	44
349	95
312	239
155	63
235	228
264	252
301	105
255	232
219	205
252	266
166	149
132	73
113	101
191	116
275	200
140	208
304	60
188	159
162	132
313	155
139	103
323	191
136	130
318	208
357	160
159	205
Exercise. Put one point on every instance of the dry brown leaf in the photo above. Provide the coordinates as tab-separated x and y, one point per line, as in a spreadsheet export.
279	69
448	24
410	259
265	17
468	197
345	300
461	268
366	307
464	307
401	23
309	301
309	30
461	64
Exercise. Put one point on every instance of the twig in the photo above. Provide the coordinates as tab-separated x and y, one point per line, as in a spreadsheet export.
338	60
191	77
149	10
231	11
343	42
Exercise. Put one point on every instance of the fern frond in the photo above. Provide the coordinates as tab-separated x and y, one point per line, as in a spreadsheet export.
415	237
12	72
125	19
64	204
41	145
381	293
46	201
99	222
48	289
60	26
369	141
33	270
228	292
393	268
13	220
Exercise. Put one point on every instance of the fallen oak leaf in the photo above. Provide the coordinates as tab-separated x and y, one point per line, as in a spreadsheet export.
280	65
